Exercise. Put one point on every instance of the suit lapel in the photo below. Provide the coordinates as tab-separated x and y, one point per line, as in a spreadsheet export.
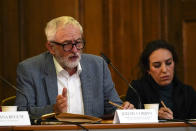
87	90
50	79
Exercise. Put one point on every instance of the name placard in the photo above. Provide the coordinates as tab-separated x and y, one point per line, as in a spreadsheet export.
136	116
14	118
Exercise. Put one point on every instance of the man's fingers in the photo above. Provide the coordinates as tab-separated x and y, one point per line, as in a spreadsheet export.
61	99
61	104
64	92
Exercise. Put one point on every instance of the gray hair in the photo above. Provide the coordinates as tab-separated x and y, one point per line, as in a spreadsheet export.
53	25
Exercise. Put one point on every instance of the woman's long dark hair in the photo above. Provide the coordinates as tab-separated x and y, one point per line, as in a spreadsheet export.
151	47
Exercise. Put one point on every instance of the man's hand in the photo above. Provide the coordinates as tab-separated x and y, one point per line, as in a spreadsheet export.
61	102
165	113
127	105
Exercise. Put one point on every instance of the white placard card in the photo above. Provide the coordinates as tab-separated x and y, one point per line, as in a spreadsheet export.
136	116
14	118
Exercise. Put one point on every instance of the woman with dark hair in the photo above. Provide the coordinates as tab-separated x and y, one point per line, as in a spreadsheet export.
158	82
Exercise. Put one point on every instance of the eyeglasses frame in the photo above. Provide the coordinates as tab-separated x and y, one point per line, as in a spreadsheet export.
73	44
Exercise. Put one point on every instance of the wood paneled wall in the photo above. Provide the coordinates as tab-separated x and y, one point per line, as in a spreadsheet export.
118	28
189	41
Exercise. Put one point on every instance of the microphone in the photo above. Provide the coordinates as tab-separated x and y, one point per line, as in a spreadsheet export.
15	88
108	61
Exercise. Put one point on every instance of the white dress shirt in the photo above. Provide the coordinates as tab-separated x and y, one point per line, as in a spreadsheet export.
73	85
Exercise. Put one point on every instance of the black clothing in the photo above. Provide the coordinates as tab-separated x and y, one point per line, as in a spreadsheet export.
166	95
183	97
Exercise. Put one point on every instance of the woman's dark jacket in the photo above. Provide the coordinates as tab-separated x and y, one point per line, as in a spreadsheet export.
183	96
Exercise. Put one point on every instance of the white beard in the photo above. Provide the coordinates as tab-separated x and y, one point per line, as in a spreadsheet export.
65	62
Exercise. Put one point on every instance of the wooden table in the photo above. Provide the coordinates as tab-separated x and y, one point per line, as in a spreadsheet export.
163	126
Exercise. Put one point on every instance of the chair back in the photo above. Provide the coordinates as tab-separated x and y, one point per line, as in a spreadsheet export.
8	101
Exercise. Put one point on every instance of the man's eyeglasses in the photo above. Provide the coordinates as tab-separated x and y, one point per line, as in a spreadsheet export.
67	46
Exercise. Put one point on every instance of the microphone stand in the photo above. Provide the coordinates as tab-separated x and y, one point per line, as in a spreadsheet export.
15	88
123	78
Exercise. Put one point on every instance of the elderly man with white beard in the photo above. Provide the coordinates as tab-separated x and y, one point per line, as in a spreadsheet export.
65	80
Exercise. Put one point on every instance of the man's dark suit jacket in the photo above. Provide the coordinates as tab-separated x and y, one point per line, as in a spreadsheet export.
37	78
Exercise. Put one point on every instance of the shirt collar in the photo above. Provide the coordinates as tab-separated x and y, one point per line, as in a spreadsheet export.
59	67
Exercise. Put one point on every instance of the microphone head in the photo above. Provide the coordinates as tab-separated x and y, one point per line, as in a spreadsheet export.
105	58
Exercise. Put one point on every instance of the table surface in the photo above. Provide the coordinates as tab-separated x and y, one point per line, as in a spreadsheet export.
162	125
